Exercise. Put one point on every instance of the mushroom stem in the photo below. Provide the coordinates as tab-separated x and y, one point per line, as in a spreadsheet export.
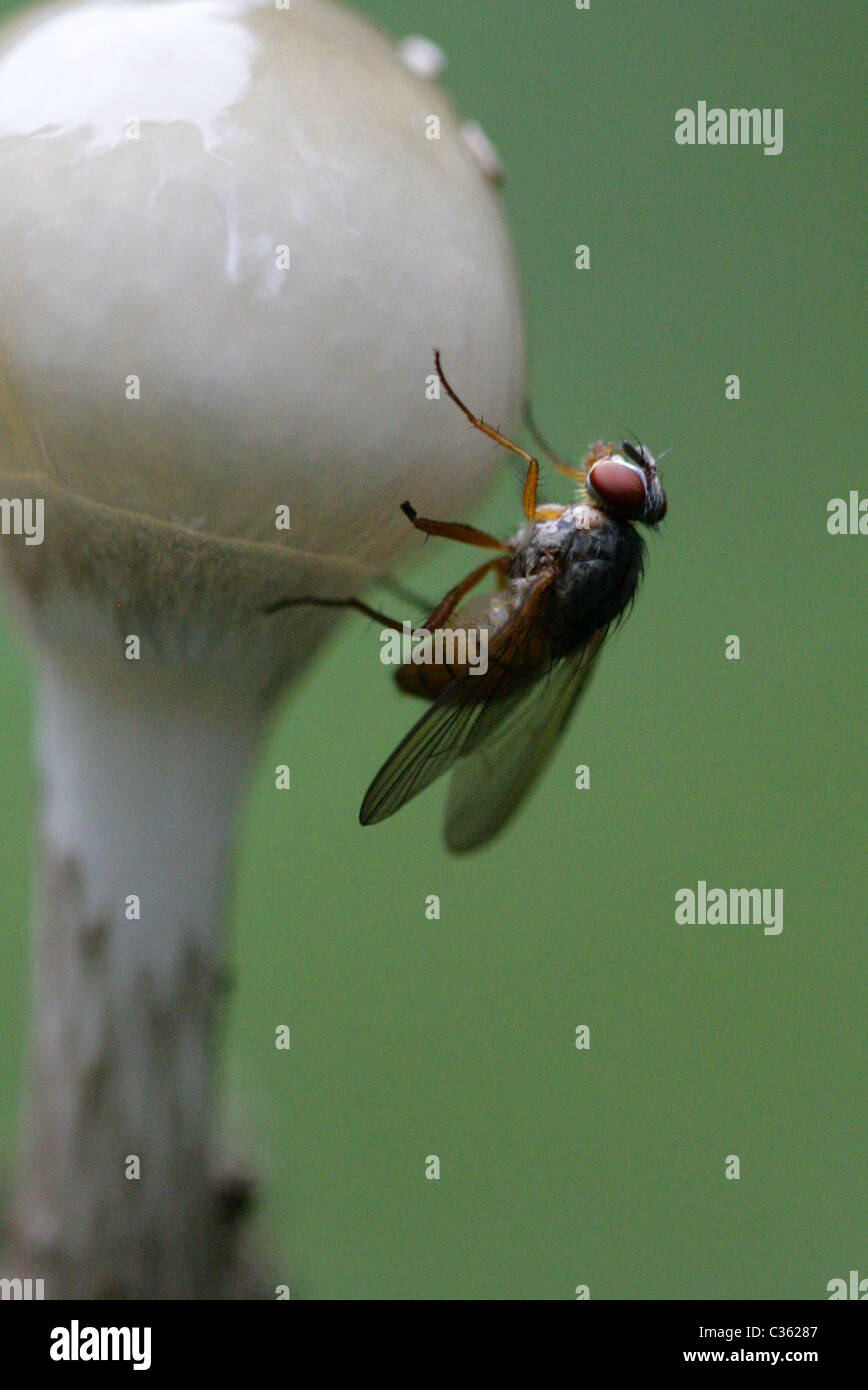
139	791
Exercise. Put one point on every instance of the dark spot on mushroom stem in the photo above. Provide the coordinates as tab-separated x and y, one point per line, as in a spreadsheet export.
234	1195
224	980
94	1088
93	938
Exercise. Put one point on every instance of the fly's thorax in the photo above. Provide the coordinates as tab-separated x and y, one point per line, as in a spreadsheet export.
596	582
540	542
586	517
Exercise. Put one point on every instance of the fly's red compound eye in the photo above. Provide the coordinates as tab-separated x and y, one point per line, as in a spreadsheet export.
619	485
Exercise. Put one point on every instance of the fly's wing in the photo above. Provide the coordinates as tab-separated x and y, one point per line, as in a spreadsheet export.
492	782
467	713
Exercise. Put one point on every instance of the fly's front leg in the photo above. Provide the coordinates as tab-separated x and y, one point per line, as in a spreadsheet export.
528	496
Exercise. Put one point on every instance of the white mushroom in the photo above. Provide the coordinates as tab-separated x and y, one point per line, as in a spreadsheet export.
231	236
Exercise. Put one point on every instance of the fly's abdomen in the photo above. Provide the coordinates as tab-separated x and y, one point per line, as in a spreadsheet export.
471	639
428	680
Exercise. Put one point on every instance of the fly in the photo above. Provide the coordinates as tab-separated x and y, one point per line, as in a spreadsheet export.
562	580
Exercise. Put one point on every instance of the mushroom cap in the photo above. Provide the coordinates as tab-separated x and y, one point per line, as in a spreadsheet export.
228	248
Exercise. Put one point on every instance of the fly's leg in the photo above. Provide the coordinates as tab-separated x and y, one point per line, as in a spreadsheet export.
449	601
596	451
356	603
446	605
528	496
452	530
560	464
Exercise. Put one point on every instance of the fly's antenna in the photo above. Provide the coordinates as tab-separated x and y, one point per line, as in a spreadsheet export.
642	449
626	430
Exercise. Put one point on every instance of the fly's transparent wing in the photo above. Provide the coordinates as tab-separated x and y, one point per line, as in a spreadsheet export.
489	785
467	713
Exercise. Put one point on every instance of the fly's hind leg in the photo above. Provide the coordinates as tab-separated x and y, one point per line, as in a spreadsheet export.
450	601
355	603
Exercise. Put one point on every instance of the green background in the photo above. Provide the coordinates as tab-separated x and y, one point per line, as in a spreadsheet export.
456	1037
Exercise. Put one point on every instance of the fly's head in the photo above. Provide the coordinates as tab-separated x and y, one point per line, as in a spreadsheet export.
624	484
